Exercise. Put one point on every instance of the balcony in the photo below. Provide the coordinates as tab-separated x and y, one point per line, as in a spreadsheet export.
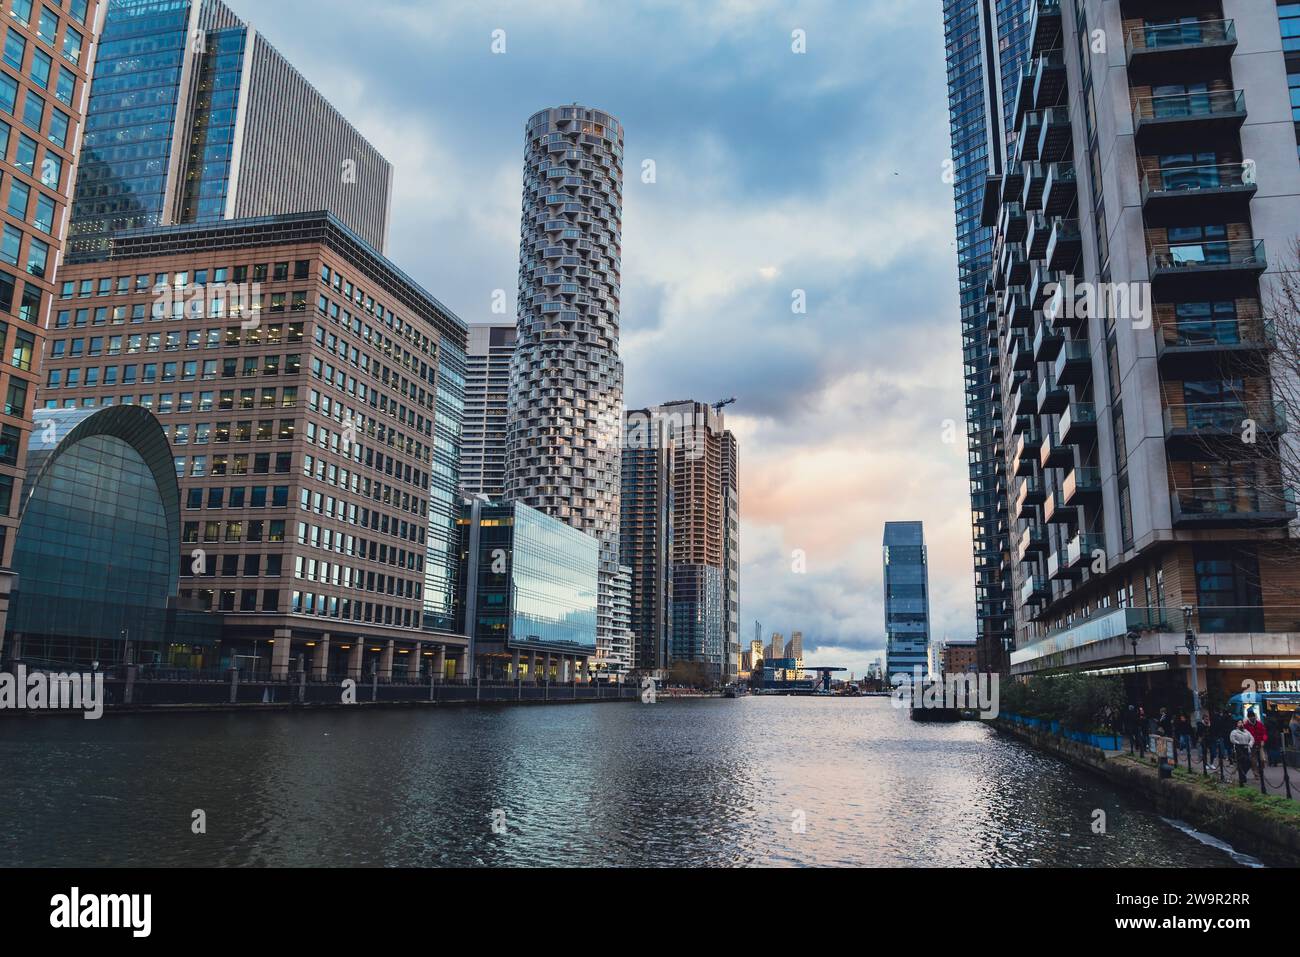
1024	92
1210	348
1045	26
1048	77
1037	236
1024	399
1017	309
1013	182
1162	122
1020	352
1061	189
1056	135
1167	48
1035	178
1205	429
1082	550
1082	486
1053	398
1035	591
1022	423
1054	453
1056	512
1031	124
1065	244
1105	625
1185	195
1231	506
1032	541
1015	267
1026	454
1218	260
1042	283
1030	494
1074	364
1078	424
1047	340
1012	223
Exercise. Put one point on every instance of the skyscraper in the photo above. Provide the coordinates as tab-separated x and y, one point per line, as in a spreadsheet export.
195	118
566	382
47	59
985	48
907	599
646	535
706	536
1147	209
487	406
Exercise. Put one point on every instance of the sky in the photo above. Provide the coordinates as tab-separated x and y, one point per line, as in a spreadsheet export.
776	174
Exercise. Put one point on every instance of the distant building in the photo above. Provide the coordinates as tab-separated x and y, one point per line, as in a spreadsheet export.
487	401
646	535
776	648
907	599
960	657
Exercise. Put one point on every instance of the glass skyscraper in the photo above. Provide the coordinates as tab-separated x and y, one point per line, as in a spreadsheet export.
980	32
907	599
193	117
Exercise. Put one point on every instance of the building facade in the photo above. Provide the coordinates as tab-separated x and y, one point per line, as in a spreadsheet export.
194	118
907	599
487	408
49	51
985	46
1148	207
312	395
566	384
646	536
95	554
526	593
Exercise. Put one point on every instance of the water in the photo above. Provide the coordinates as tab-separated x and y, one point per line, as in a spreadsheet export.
700	783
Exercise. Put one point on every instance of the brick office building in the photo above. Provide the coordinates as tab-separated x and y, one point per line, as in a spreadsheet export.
312	395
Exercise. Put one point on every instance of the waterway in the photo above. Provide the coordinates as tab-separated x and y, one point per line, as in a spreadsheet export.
754	781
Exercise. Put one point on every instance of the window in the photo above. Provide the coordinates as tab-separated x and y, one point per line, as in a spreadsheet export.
38	255
11	244
48	26
58	134
25	158
44	218
42	65
8	93
15	49
1227	589
72	46
21	10
66	86
19	194
33	110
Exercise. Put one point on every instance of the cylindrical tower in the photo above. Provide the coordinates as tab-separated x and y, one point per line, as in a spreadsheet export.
566	382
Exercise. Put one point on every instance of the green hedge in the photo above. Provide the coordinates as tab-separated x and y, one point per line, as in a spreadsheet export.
1085	703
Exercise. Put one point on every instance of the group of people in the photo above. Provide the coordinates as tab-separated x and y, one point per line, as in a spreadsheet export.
1220	736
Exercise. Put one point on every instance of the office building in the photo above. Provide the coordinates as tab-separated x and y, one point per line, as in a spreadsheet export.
527	593
646	536
959	657
566	384
49	50
95	553
195	118
312	395
1148	204
487	405
907	600
985	47
776	647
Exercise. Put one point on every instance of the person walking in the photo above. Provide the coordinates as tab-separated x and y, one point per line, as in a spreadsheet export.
1164	723
1183	732
1260	734
1205	737
1242	743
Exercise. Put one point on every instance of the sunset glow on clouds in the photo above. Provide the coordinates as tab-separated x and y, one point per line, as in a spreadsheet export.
775	172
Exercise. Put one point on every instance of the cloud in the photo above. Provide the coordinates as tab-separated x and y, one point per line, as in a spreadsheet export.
775	173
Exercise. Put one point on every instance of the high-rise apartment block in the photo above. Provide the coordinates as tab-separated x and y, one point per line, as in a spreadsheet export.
985	42
312	396
1148	204
49	50
705	537
566	388
487	407
195	118
646	535
907	599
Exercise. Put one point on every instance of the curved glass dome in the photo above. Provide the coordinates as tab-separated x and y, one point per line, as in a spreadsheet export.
96	554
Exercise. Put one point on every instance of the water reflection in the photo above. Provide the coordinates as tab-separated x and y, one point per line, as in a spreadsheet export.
677	783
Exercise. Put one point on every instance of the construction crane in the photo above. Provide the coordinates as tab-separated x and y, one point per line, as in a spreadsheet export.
719	406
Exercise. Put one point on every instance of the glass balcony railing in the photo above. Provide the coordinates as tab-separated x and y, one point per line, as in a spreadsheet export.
1215	255
1231	416
1233	501
1207	104
1190	180
1155	37
1211	334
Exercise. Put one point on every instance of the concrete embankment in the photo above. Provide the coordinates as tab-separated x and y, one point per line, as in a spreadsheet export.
1229	813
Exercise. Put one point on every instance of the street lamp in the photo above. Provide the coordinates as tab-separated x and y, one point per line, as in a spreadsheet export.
1188	612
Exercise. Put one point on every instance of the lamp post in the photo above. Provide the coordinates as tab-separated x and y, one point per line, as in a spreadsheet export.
1188	612
1133	639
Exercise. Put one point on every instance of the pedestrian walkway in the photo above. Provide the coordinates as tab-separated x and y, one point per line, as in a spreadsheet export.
1275	778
